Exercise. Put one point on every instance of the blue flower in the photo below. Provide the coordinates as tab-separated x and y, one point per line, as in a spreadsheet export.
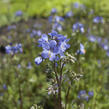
64	46
90	93
19	66
43	42
45	54
99	39
92	38
107	52
11	27
82	92
105	46
69	14
19	13
53	34
78	27
53	46
76	5
29	66
9	37
39	33
59	19
4	87
34	33
57	26
48	54
17	48
98	19
86	98
14	49
8	49
82	49
38	60
83	96
50	19
53	11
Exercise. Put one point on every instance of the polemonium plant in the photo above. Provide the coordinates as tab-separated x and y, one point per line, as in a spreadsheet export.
54	48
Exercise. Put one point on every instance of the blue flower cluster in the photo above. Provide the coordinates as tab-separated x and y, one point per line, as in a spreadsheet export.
35	33
98	19
14	49
78	27
54	45
79	6
102	42
82	95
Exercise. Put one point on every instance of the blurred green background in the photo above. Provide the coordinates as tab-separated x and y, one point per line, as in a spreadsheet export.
43	7
94	63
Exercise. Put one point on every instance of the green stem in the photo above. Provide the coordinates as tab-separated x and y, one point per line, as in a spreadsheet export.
67	95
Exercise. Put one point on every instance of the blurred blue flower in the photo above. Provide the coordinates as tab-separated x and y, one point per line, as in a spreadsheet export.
78	27
50	19
53	34
38	60
107	53
9	37
14	49
76	5
59	19
29	66
92	38
17	48
99	39
105	46
57	27
8	49
33	33
19	66
86	98
81	50
90	93
48	54
83	95
69	14
19	13
53	11
4	87
98	19
39	33
11	27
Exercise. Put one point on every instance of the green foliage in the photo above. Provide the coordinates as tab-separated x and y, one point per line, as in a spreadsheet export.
43	7
30	86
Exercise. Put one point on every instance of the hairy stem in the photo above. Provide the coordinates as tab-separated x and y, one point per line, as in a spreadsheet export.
66	97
